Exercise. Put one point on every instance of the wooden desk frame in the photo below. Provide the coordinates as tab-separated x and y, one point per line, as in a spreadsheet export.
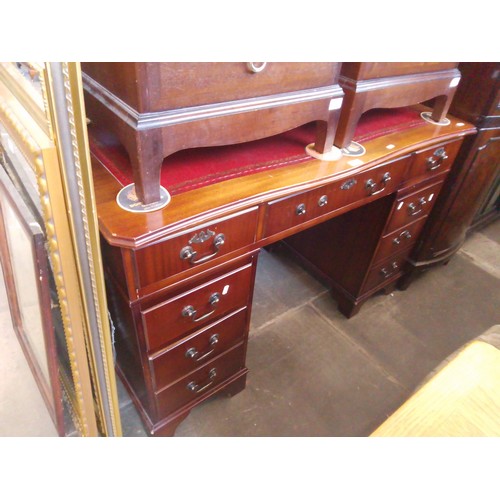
148	276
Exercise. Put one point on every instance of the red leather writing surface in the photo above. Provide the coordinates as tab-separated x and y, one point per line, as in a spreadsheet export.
194	168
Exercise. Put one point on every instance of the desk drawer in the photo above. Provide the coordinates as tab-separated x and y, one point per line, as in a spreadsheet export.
399	240
377	182
197	307
385	271
413	207
294	210
435	160
200	382
197	349
195	247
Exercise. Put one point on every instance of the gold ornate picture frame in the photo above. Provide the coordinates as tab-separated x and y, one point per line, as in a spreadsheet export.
48	125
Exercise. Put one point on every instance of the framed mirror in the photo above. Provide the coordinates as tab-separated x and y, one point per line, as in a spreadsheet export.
29	286
43	139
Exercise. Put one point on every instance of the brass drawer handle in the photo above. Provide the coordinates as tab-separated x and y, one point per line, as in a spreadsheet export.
416	208
188	253
193	354
197	388
256	67
391	272
300	209
190	312
436	160
323	201
371	185
404	235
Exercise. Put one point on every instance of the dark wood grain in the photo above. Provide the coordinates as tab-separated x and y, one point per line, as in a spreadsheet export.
477	98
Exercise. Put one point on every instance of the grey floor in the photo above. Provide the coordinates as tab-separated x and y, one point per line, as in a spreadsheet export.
312	371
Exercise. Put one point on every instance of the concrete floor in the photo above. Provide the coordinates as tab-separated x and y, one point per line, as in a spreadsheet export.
312	371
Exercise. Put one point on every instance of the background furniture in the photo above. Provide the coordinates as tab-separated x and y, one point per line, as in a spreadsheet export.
470	194
156	109
462	398
369	85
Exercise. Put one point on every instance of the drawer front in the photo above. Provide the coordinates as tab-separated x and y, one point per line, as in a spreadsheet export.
413	207
377	182
435	160
295	210
197	349
399	240
193	248
194	84
191	310
385	271
200	382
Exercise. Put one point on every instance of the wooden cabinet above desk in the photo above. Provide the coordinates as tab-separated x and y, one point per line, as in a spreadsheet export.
180	279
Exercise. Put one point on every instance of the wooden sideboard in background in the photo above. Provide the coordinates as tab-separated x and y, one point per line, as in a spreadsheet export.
470	195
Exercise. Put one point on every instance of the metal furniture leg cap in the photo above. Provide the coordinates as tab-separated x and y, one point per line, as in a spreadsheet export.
127	200
426	115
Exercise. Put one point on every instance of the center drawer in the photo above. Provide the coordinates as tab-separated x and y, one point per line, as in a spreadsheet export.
197	307
295	210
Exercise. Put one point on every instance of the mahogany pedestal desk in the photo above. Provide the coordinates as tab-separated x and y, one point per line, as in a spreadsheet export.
180	279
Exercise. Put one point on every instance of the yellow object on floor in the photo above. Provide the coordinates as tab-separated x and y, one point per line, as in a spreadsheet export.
463	399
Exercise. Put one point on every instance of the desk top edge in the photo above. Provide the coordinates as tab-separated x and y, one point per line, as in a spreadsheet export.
195	207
